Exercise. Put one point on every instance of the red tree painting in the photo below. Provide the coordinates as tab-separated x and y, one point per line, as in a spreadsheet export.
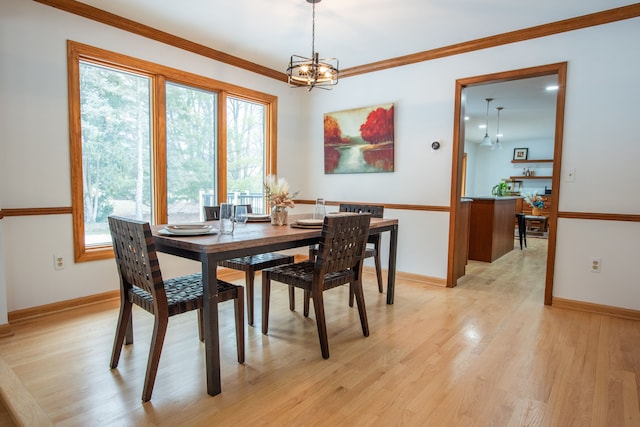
360	140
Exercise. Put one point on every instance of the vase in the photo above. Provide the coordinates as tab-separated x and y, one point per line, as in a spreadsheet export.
536	211
279	215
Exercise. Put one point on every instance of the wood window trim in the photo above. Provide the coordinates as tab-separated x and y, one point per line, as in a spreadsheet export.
160	74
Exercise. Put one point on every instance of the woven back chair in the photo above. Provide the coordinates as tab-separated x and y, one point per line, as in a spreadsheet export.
373	251
339	261
248	264
141	284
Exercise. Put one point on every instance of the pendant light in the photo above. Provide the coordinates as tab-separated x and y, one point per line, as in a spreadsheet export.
498	144
313	72
486	141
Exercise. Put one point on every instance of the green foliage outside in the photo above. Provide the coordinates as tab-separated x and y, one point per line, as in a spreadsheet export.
116	145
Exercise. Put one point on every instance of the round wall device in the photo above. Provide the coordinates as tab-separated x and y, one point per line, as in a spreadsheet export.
435	145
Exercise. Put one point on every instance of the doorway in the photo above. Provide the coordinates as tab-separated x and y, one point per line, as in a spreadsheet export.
559	70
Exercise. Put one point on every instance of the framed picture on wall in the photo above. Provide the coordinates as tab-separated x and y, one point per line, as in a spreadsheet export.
359	140
520	153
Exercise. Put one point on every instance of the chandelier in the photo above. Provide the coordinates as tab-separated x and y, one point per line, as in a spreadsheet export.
498	144
486	141
313	72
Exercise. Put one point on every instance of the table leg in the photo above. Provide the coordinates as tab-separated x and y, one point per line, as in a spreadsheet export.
391	278
210	312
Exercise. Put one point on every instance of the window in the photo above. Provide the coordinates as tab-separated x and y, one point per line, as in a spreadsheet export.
245	153
151	142
191	152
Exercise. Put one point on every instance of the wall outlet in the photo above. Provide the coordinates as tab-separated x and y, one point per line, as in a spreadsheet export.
596	264
58	262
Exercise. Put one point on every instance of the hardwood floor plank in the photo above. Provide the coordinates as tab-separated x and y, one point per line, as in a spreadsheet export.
487	352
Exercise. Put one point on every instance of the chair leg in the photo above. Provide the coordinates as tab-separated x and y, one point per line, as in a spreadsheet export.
266	295
362	310
238	303
350	295
201	324
248	280
307	297
378	270
128	337
318	306
122	332
292	298
157	340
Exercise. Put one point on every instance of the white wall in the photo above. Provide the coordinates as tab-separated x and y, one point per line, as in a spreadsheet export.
493	166
600	142
601	129
34	146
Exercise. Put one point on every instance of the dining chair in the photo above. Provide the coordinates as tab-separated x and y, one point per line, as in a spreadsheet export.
249	264
373	250
338	262
141	283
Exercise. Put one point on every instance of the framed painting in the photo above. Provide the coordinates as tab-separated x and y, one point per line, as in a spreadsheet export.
520	153
359	140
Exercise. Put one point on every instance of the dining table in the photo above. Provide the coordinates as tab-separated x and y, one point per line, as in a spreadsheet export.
250	239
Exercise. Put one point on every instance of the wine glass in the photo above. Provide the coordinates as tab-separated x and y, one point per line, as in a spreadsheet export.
241	214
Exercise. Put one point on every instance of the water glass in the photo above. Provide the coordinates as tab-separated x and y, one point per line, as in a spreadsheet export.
241	214
319	211
226	218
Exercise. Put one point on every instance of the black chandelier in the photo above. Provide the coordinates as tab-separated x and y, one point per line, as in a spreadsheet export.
313	72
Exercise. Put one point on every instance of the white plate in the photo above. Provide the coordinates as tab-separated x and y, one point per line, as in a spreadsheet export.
188	229
310	221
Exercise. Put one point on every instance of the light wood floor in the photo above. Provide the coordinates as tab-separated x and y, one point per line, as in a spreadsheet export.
487	352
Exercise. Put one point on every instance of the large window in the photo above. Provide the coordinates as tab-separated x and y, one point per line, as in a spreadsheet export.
152	143
245	153
115	117
191	152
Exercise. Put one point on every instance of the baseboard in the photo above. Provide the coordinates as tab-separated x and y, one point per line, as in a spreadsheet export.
19	402
589	307
42	310
425	280
418	278
6	331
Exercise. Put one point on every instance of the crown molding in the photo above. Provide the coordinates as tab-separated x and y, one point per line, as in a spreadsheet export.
584	21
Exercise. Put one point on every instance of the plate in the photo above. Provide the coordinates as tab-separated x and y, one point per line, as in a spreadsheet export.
188	229
258	217
312	227
316	222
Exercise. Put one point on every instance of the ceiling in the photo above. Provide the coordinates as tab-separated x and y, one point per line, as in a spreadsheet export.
358	32
528	115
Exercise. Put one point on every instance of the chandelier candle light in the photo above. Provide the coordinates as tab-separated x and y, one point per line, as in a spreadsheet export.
315	71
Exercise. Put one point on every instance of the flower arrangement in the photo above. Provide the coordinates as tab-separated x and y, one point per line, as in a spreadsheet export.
534	200
277	192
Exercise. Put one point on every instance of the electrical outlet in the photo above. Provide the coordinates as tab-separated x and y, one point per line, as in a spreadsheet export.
596	264
58	262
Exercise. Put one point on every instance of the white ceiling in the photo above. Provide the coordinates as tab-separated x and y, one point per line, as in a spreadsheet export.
528	115
358	32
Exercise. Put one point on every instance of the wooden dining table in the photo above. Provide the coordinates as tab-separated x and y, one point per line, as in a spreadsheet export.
250	239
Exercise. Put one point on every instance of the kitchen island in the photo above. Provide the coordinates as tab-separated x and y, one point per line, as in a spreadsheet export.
491	227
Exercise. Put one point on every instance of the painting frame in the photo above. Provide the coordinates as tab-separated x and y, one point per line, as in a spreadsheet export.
520	154
360	140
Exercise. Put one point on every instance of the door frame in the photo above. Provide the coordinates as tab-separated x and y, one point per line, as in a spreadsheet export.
559	69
